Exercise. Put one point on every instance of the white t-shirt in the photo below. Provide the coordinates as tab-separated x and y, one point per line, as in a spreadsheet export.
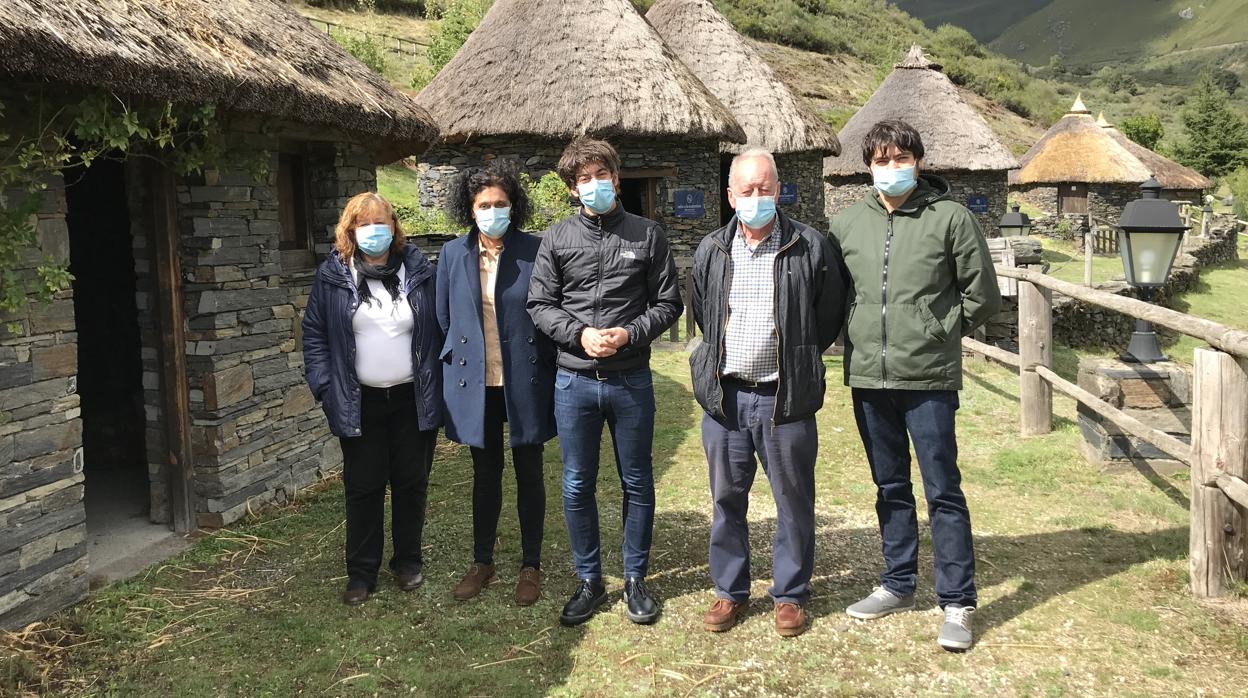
383	336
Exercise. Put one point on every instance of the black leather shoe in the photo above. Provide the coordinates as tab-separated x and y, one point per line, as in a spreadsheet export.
354	596
409	582
643	608
585	600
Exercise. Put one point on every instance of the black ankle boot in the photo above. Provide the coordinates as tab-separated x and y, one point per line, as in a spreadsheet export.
585	600
643	608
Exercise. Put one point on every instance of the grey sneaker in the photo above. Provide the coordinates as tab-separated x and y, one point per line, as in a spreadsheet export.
955	633
880	603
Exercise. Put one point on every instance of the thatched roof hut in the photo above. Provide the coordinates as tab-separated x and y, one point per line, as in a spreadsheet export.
256	56
772	116
528	70
1076	149
1171	175
955	136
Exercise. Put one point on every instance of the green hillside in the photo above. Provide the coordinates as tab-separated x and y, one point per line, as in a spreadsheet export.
1123	31
984	19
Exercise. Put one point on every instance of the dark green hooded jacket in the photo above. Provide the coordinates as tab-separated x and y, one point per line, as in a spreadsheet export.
922	278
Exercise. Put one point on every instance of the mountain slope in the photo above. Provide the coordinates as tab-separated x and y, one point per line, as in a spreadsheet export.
984	19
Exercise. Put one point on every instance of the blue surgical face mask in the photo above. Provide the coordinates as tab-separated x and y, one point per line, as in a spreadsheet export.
756	211
894	182
597	195
374	239
494	222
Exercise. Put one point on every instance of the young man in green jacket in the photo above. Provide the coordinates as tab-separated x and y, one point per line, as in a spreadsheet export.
922	279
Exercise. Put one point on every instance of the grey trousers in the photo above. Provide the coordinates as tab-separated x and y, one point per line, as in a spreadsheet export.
787	452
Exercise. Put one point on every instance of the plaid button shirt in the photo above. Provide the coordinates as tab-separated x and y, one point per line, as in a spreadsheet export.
750	351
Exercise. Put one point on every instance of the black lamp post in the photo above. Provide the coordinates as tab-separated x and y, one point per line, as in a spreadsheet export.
1014	223
1148	240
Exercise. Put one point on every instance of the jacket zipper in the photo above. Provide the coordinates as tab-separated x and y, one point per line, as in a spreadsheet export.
888	243
415	324
775	318
598	285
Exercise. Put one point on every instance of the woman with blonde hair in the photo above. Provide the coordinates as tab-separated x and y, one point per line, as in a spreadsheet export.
370	354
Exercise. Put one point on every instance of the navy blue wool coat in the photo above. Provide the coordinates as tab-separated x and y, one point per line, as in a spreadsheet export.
528	355
329	342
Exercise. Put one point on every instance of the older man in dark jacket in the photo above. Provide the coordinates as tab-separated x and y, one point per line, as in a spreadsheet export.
769	295
604	287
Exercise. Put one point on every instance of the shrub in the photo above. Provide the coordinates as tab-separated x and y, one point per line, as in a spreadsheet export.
1237	181
550	198
1145	129
364	49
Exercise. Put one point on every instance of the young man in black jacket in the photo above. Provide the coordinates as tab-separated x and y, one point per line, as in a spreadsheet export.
604	286
769	296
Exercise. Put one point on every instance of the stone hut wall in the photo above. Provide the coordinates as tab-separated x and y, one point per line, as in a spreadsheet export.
257	433
806	171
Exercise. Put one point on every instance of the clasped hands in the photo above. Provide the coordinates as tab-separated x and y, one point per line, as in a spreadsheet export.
599	344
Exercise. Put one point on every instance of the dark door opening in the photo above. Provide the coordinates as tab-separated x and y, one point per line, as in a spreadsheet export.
725	208
110	373
638	194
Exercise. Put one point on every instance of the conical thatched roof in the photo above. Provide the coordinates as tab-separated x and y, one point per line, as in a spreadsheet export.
772	116
247	55
954	135
1077	149
1169	173
558	70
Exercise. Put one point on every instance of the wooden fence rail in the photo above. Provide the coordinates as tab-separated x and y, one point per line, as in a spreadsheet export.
1218	454
389	42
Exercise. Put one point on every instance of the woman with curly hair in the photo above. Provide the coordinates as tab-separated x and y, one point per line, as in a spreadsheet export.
370	347
496	366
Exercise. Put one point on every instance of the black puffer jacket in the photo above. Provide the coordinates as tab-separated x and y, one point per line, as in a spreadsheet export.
613	270
809	306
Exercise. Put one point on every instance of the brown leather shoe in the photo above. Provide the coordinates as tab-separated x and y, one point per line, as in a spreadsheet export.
529	586
790	619
355	596
723	615
478	577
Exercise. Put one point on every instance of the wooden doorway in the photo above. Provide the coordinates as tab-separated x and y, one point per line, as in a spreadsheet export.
1072	199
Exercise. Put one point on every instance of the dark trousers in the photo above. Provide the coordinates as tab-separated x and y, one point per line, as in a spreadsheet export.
487	488
885	419
787	452
390	449
625	403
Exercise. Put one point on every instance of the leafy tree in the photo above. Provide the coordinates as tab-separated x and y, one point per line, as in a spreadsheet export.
1145	129
458	19
1217	135
1227	80
364	49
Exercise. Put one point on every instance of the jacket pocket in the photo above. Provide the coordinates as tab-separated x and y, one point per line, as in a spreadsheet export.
934	328
805	393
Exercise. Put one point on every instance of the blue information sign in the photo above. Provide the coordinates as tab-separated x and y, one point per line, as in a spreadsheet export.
977	203
689	204
788	193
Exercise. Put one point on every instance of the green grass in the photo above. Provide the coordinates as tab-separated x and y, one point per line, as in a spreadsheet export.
1066	260
1082	582
399	185
1220	294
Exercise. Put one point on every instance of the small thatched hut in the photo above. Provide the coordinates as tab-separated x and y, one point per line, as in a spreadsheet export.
1078	169
526	82
166	388
1178	182
772	116
959	143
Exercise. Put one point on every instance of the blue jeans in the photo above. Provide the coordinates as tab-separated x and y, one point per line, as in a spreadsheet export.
888	421
625	403
788	453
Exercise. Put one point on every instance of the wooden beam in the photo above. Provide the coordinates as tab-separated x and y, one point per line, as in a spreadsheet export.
1219	336
174	390
1035	349
1175	447
996	353
1234	488
1219	531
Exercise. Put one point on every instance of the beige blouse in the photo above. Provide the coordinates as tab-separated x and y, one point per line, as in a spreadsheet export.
489	319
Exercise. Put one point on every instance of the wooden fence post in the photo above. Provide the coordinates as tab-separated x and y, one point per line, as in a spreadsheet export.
1035	347
1219	530
1089	243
